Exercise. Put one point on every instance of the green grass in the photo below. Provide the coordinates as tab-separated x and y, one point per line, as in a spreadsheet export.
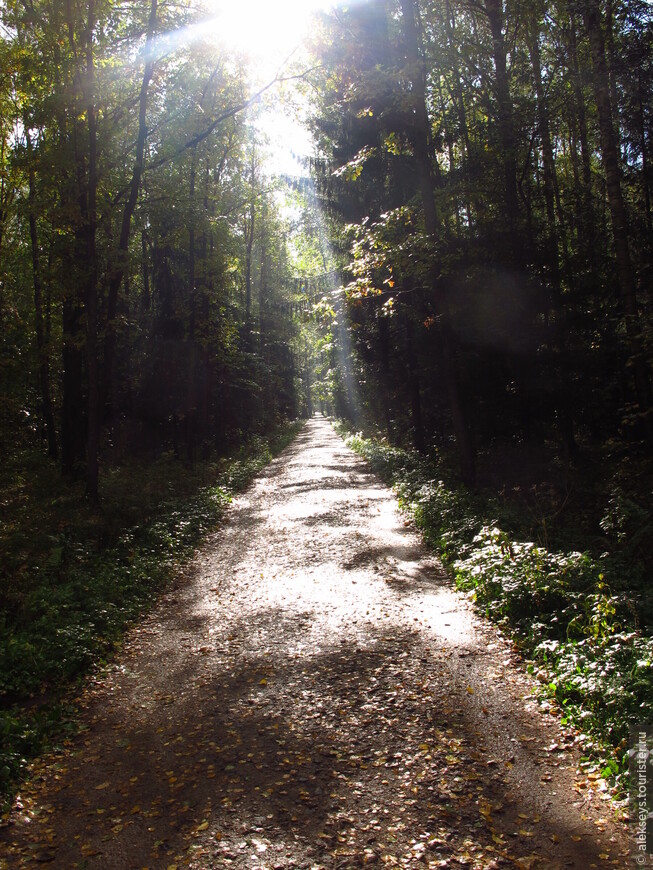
581	617
73	580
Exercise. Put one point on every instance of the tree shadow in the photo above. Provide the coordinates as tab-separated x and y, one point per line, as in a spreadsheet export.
319	750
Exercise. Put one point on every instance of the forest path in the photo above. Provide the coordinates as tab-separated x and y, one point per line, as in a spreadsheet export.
313	694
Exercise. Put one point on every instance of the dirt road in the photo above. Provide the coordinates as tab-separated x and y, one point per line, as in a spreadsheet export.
313	694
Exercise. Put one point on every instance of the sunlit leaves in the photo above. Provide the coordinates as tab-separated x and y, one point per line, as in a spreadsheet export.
385	249
71	615
558	604
352	170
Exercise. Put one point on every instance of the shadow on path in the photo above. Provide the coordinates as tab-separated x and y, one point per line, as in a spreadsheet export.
312	695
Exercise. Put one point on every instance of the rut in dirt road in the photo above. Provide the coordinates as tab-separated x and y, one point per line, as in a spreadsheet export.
313	694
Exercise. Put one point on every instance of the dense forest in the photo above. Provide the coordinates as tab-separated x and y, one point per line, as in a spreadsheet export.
484	169
464	268
482	192
148	298
487	166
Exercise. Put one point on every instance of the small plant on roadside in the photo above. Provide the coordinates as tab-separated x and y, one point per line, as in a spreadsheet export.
77	594
572	613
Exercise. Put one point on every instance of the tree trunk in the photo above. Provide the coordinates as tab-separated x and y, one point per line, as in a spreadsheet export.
384	346
420	136
146	300
42	350
73	423
644	152
414	392
611	163
120	258
205	401
191	386
91	296
505	119
459	99
559	338
587	230
249	243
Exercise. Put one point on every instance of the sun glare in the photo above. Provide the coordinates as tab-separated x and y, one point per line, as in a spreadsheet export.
267	31
271	35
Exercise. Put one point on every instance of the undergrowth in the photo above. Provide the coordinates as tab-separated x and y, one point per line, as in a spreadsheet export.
73	580
582	619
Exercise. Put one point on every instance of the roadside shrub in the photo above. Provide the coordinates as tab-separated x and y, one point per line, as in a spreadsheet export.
72	606
581	618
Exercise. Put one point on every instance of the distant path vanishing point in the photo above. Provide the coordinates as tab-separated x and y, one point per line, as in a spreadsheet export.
313	694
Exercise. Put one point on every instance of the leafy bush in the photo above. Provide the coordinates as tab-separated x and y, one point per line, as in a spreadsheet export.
70	608
582	618
605	683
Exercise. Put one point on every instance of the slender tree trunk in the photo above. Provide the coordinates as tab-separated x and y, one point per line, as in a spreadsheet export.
73	424
73	195
459	99
249	243
563	404
588	227
268	398
421	141
147	293
205	402
644	152
41	347
191	387
120	259
506	122
414	391
94	417
548	162
611	163
384	345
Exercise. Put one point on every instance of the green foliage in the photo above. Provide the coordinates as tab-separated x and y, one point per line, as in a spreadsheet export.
77	599
578	616
452	182
603	683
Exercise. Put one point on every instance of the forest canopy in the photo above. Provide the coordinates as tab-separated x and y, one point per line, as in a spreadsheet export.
459	268
469	260
147	294
487	166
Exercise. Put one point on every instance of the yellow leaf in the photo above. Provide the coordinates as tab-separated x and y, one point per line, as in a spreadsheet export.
103	785
263	682
470	691
203	826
